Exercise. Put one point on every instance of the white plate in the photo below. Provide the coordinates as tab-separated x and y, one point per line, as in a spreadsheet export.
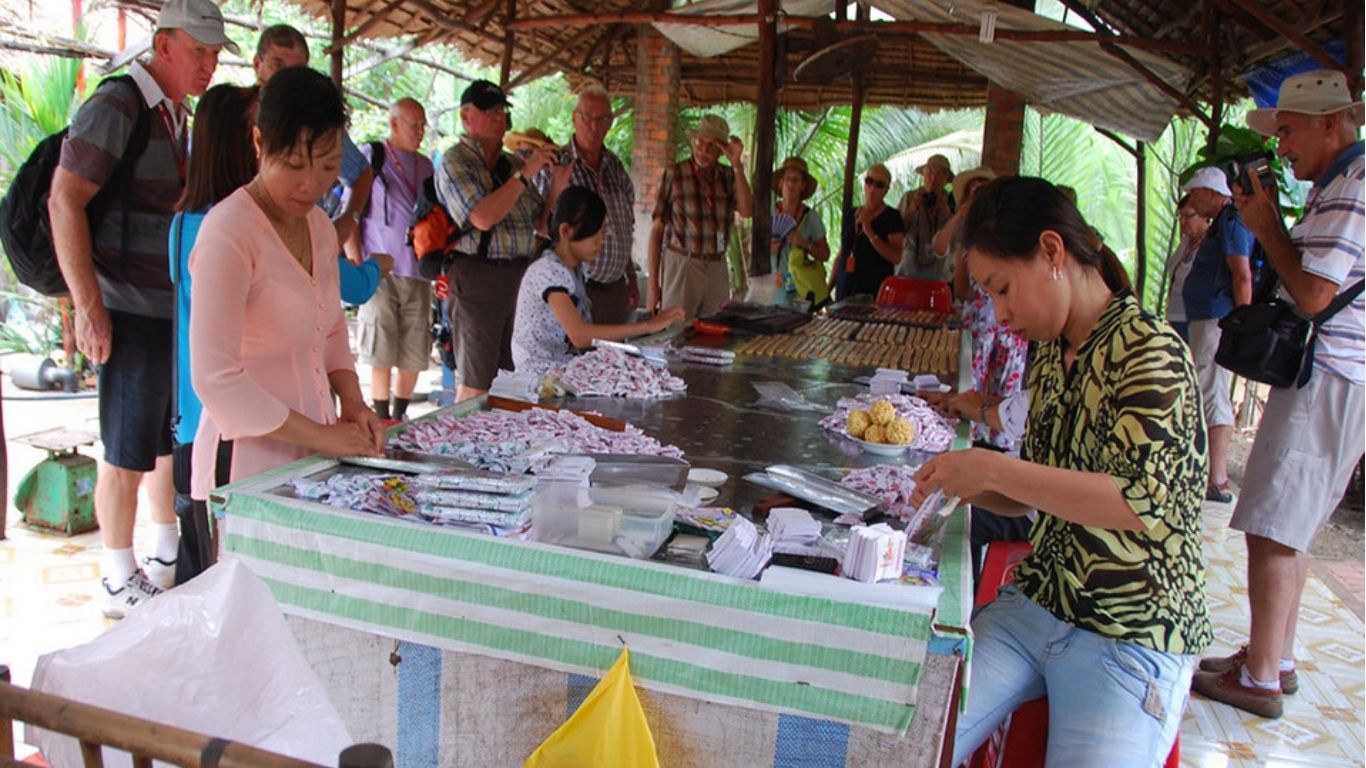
705	493
705	476
881	449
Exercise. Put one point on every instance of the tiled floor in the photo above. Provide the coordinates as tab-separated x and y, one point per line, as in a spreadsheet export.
48	587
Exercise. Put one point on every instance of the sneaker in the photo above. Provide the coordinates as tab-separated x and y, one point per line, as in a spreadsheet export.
137	590
1227	687
1290	682
160	572
1219	493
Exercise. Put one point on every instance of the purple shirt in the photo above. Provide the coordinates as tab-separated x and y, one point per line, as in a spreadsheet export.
384	227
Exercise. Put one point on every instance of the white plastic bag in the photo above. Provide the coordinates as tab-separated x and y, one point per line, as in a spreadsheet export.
212	656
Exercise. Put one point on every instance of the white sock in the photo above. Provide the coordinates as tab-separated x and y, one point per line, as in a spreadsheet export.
1249	681
168	541
1287	665
118	565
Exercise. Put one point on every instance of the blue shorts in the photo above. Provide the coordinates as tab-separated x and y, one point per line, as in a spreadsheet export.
135	392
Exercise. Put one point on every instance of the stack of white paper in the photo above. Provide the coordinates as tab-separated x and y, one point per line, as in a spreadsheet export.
742	551
517	386
875	553
887	381
793	529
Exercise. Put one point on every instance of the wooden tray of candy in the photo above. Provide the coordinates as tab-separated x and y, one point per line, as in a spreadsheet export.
872	313
916	350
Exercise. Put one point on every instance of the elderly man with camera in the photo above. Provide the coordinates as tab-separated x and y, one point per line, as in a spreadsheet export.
1310	436
496	201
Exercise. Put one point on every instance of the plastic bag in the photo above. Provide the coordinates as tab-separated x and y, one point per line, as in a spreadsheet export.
213	656
608	729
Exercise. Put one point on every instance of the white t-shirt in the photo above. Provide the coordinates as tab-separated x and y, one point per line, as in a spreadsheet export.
538	340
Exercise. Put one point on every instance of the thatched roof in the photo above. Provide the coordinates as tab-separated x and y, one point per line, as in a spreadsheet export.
904	68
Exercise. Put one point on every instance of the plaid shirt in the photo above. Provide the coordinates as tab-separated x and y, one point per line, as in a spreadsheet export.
463	180
616	189
697	208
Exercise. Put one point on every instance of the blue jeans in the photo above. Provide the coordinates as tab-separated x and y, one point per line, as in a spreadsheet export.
1110	703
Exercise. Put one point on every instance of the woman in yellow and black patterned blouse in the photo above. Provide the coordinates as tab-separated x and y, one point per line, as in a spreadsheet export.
1107	613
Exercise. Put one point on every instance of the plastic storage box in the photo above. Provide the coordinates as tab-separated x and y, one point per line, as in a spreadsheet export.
628	520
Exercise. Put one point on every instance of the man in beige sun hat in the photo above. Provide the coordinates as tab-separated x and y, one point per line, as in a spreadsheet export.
694	210
925	211
1310	438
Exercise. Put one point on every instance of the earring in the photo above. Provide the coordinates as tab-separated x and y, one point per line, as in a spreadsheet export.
1057	274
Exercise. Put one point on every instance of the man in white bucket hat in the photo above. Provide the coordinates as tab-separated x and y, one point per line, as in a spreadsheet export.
1310	438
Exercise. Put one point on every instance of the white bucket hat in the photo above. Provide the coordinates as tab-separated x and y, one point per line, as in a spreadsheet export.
1210	178
1320	92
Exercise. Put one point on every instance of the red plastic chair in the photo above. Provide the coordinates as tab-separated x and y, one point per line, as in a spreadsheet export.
914	293
1022	740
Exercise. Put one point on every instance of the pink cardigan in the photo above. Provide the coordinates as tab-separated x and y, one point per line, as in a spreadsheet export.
263	336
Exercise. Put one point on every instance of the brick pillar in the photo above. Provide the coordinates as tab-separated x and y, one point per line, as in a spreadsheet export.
1003	134
656	127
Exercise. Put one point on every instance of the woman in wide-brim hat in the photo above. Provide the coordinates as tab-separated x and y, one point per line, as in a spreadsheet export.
798	232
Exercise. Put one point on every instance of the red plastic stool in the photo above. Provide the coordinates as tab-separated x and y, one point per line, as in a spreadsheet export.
914	293
1022	740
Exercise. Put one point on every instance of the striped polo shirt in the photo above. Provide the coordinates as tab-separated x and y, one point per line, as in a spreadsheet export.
1330	239
135	281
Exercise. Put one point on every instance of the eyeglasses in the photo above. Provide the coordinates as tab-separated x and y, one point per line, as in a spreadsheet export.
596	119
874	182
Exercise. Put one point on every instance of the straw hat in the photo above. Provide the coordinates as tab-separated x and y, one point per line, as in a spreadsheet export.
1320	92
936	161
537	138
712	127
798	164
965	178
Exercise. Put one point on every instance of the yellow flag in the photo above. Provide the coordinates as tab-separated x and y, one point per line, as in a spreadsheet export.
608	729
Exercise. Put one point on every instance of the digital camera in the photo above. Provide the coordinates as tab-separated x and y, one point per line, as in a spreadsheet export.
1252	165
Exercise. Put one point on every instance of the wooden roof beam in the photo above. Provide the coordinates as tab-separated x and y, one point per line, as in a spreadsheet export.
1108	45
1271	22
886	27
369	24
531	71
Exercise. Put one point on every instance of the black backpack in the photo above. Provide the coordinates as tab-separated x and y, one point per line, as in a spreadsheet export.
26	230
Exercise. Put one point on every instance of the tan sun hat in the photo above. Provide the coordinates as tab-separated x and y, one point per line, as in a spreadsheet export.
936	161
712	127
537	138
798	164
965	178
1320	92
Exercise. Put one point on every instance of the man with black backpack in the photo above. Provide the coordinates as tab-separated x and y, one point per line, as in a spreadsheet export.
116	273
393	328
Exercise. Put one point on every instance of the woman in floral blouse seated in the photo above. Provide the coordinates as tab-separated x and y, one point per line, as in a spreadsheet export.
1106	615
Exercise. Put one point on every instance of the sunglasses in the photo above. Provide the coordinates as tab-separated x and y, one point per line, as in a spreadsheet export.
874	182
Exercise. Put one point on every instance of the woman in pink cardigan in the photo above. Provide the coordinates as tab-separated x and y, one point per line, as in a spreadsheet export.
268	340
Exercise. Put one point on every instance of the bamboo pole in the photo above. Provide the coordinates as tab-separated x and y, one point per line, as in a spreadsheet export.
338	31
95	726
764	127
505	69
1216	76
1141	222
1353	33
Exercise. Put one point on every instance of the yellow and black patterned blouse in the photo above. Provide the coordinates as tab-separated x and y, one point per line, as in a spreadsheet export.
1130	408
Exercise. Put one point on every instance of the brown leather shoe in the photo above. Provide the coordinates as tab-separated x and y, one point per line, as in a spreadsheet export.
1226	687
1290	681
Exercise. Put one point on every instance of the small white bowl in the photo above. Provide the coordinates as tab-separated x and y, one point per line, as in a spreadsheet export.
706	476
705	493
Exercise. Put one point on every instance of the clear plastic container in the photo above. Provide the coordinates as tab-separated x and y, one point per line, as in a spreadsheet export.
621	520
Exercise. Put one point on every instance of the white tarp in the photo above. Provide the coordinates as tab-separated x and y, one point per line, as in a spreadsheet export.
1075	78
